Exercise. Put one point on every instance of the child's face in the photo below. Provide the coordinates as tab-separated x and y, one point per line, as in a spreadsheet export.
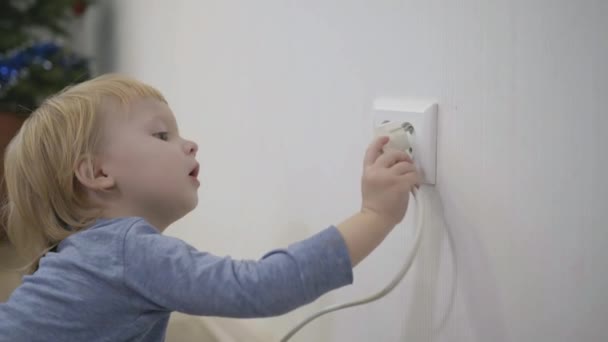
154	169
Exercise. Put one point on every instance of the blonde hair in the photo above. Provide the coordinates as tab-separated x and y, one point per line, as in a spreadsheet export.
44	202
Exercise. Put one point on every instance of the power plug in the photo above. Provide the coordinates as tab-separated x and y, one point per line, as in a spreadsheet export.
400	134
411	123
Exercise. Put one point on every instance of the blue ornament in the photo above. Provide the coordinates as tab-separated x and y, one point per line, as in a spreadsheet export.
45	49
20	60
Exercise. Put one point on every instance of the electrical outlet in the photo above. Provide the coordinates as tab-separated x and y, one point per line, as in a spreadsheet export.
422	115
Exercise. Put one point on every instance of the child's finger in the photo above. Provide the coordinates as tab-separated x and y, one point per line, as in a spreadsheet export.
408	158
412	178
403	167
374	150
391	158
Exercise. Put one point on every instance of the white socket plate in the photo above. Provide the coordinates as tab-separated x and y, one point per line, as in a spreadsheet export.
422	114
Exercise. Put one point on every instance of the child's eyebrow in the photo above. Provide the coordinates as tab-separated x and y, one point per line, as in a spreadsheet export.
171	122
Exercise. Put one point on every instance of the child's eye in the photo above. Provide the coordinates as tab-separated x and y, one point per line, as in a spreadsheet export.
162	135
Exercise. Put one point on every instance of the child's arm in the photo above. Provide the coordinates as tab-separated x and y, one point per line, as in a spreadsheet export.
165	273
387	180
162	273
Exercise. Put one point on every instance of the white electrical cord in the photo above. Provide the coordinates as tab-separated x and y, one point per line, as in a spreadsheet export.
420	198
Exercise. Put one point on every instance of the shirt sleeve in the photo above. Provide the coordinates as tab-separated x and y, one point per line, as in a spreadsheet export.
172	275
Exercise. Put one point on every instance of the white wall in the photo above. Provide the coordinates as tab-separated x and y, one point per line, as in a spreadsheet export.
278	95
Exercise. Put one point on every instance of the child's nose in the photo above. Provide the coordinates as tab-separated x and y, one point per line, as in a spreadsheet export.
191	147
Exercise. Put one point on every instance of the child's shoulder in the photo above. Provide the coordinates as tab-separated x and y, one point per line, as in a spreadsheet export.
108	231
121	224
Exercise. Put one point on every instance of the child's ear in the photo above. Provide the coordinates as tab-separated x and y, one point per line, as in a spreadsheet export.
90	175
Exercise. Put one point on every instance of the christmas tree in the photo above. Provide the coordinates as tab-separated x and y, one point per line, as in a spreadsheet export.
35	58
35	61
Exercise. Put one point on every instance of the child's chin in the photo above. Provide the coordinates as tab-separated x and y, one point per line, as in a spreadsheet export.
193	203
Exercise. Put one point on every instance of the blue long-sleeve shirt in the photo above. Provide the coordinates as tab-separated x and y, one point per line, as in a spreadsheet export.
120	279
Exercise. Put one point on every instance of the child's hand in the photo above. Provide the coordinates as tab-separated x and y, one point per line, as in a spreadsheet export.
387	180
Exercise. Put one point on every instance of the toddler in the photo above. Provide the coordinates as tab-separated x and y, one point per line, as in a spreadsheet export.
94	177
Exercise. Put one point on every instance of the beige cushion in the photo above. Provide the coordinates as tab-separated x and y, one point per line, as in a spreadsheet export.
185	328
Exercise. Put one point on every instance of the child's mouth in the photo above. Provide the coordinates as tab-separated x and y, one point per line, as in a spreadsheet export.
194	172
